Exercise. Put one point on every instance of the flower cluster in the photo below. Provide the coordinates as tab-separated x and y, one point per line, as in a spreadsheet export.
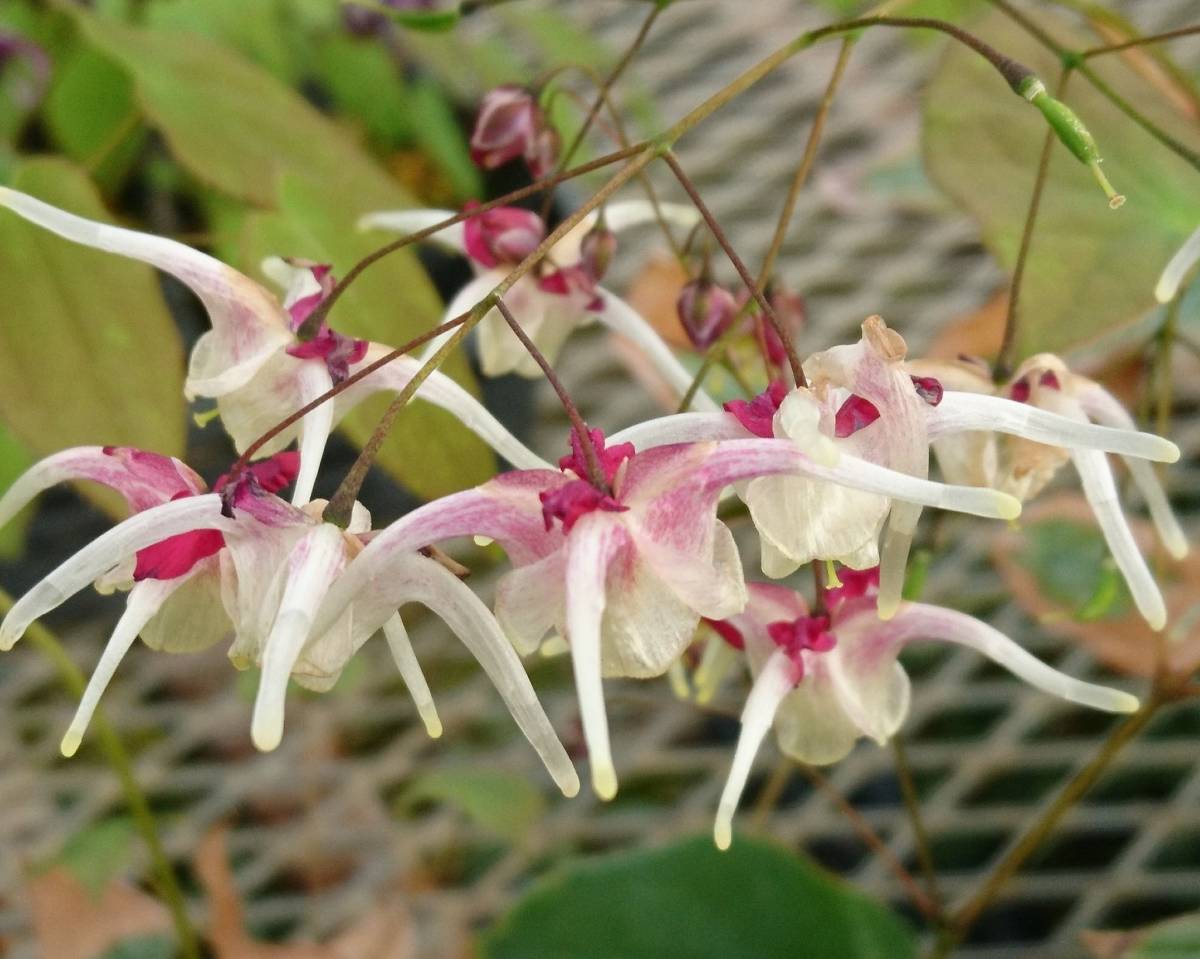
619	550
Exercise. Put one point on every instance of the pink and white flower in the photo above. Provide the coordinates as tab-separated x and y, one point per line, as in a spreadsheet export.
563	297
864	403
624	572
240	561
251	361
824	681
1022	464
511	124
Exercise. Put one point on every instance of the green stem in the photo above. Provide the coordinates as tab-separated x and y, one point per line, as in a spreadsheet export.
163	875
1141	41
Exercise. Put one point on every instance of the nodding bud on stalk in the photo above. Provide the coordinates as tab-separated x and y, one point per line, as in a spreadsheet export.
1071	131
791	311
505	234
706	310
511	124
597	249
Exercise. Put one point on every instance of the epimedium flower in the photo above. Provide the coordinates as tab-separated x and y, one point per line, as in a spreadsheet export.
824	680
242	562
1023	465
252	362
623	569
512	124
864	402
565	295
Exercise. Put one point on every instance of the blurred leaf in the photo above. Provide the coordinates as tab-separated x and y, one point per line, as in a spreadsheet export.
233	125
364	83
100	853
506	803
14	460
143	947
689	901
91	115
88	352
1089	584
429	451
254	29
1177	938
426	21
1091	269
437	130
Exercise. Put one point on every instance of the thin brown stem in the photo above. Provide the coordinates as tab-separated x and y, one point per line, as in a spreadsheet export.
966	916
602	93
595	472
723	241
912	805
1141	41
1005	357
800	177
872	840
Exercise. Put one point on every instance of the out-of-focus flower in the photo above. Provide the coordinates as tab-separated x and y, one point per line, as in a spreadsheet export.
29	63
511	124
826	680
251	361
552	305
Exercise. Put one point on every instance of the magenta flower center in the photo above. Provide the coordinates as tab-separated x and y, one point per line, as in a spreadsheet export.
758	415
855	414
572	500
610	458
803	633
929	388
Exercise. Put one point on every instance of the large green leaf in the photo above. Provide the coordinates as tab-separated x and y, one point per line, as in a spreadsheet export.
689	901
428	451
88	351
1091	269
506	803
233	125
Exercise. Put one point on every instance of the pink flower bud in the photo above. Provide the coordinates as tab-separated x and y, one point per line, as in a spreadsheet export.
508	126
792	312
705	310
541	155
596	251
506	234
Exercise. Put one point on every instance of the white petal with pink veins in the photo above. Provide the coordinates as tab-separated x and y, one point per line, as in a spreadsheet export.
412	221
410	671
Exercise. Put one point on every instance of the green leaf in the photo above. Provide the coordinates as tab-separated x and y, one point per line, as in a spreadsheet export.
429	451
503	802
233	125
1177	938
366	84
689	901
143	947
1091	270
1089	584
438	133
256	30
88	352
99	853
91	115
14	460
426	21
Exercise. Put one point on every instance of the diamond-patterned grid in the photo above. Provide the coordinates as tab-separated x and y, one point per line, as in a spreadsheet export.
318	837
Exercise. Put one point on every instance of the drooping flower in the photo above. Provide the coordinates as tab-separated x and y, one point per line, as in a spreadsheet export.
864	402
251	361
624	571
512	124
824	681
242	562
550	306
706	310
1022	464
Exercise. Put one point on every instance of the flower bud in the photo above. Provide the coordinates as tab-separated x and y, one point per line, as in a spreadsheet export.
541	156
705	309
506	234
596	250
507	127
792	311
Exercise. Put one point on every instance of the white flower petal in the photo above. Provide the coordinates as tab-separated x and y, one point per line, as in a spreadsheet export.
410	671
410	221
106	551
624	320
680	428
1177	268
312	381
898	535
193	617
312	565
623	214
773	684
593	542
427	582
529	601
920	621
1101	493
959	412
144	601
